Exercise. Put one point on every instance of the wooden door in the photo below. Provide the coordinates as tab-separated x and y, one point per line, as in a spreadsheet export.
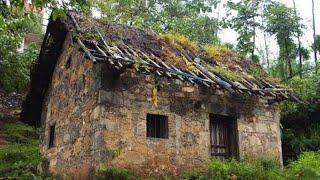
223	137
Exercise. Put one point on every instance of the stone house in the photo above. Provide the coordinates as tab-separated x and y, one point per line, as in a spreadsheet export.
112	95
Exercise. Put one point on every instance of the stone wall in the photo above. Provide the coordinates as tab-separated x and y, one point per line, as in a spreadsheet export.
124	105
100	120
70	104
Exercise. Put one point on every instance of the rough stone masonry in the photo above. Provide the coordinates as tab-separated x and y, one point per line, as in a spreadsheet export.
99	119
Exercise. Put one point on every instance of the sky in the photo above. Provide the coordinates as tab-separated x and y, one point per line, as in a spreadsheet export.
304	8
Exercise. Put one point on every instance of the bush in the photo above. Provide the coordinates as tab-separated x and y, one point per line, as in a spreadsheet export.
15	69
306	167
114	173
263	168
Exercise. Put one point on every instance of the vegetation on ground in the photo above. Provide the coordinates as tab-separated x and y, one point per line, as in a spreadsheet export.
263	168
115	173
21	159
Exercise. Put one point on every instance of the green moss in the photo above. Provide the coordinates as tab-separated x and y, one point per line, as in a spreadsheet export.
256	71
224	71
217	52
178	41
90	36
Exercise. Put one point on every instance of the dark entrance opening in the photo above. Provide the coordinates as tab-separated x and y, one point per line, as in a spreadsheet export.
223	137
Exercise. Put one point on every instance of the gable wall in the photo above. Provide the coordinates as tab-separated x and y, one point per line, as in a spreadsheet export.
69	104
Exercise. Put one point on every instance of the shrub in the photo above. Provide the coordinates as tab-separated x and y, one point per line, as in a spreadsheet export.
16	67
197	174
306	167
263	168
114	173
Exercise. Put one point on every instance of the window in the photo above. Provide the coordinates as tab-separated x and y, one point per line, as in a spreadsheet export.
51	136
68	63
157	126
223	137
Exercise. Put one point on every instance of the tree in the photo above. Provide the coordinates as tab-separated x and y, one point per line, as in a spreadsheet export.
314	37
244	23
284	24
317	43
187	17
14	66
299	42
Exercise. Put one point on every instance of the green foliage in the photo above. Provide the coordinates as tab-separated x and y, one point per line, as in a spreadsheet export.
21	158
306	167
20	133
187	17
114	173
261	168
19	161
283	22
308	87
217	52
317	43
245	23
178	41
300	141
256	71
15	66
305	53
224	71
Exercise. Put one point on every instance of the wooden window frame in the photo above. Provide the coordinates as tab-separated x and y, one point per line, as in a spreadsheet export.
224	129
157	126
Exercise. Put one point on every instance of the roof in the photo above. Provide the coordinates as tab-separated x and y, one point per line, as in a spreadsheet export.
214	67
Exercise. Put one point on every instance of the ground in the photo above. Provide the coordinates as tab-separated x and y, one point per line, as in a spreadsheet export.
10	107
19	151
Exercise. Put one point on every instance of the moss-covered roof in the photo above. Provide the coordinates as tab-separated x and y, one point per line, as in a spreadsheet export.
174	56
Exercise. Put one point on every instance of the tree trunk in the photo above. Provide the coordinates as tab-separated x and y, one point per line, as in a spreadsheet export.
218	19
265	44
314	37
288	58
267	50
254	40
299	42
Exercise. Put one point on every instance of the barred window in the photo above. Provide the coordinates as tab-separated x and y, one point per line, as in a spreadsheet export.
157	126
